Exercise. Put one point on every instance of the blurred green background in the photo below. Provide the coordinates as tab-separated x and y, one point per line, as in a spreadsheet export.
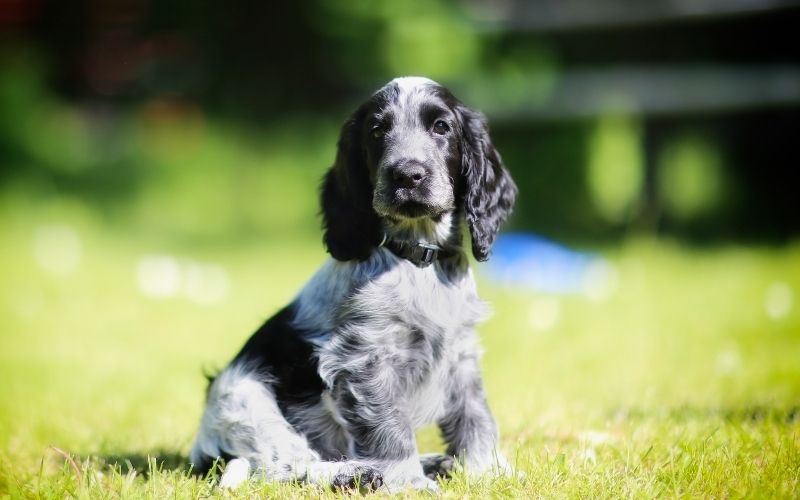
612	118
159	165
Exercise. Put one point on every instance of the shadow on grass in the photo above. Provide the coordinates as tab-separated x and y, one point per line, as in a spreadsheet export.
751	414
147	463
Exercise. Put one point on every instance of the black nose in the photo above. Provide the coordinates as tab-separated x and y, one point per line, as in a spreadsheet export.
408	175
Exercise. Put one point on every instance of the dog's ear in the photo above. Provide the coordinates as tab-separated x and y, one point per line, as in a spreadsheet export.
489	191
351	226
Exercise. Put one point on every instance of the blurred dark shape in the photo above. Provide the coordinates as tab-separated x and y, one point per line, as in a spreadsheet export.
15	14
247	58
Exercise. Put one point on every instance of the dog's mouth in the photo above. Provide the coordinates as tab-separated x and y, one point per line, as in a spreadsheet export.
402	203
415	210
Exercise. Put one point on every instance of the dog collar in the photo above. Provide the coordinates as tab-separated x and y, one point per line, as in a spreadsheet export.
420	254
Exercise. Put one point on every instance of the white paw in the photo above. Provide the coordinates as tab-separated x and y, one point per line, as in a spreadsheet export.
420	483
407	474
496	465
502	468
236	472
425	484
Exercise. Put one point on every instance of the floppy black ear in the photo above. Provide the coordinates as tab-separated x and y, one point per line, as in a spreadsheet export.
489	190
351	226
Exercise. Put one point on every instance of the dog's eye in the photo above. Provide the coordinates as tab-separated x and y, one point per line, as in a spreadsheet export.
441	127
377	132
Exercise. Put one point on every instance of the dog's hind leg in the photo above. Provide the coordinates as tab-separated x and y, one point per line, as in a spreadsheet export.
243	422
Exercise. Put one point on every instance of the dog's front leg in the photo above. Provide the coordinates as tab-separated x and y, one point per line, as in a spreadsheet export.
468	427
381	434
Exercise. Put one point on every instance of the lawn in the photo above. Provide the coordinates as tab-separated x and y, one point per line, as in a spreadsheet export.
682	379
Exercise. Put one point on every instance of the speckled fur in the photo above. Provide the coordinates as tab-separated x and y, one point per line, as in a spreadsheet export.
393	345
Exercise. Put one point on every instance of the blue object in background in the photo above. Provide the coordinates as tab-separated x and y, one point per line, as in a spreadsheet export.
531	261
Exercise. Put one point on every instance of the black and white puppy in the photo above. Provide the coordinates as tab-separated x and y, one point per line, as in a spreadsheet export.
382	339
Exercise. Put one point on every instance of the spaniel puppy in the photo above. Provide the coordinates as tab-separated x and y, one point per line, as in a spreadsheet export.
382	339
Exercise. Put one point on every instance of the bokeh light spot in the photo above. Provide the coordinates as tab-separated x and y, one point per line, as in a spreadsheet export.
57	249
164	277
205	283
544	313
437	48
690	177
158	276
615	166
600	280
778	300
728	361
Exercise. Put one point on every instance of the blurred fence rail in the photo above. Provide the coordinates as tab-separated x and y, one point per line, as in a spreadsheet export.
648	90
552	15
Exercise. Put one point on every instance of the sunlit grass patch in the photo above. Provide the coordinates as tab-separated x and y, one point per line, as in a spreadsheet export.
680	380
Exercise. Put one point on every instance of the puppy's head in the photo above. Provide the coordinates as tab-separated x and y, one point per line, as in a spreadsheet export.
412	152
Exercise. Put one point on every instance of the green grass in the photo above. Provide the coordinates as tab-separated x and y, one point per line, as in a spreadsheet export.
676	384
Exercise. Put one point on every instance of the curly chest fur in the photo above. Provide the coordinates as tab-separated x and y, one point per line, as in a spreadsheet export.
429	302
397	332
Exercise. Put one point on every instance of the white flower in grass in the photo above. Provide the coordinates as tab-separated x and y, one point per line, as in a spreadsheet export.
594	438
588	455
